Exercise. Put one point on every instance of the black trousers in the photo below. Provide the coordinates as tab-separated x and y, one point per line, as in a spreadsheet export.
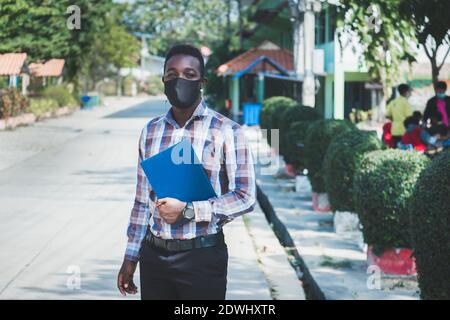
197	274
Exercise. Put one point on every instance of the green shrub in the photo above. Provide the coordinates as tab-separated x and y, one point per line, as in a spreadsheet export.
39	106
60	94
296	140
272	109
383	185
155	85
288	146
341	161
12	103
318	137
430	228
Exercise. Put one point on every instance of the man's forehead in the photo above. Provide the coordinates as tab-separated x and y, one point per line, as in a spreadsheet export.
182	61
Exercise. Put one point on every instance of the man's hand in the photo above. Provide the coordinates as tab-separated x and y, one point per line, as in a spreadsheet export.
125	278
170	209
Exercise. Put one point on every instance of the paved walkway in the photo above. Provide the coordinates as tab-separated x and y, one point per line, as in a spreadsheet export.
337	263
66	191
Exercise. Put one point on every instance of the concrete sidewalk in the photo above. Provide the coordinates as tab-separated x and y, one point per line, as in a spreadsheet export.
67	187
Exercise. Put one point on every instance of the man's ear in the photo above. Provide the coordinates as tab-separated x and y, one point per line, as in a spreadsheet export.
162	79
204	82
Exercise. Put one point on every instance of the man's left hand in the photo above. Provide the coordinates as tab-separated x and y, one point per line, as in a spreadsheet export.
170	209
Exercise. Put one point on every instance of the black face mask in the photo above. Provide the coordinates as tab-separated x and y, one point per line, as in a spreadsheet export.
182	93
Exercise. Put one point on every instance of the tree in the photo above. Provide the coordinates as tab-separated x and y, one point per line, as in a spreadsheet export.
38	27
385	37
201	22
112	49
432	27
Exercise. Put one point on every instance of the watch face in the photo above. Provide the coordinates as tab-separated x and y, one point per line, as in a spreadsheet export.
189	213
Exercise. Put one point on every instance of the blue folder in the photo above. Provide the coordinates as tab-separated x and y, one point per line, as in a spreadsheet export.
177	173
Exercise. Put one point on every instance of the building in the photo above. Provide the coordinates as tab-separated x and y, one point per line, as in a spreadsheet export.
260	72
49	72
341	83
14	70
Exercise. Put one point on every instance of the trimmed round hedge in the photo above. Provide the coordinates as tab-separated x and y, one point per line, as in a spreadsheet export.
295	137
288	139
341	161
430	228
272	109
318	137
383	186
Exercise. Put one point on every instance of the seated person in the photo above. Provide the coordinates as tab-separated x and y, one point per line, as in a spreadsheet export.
387	136
435	123
415	136
417	115
442	136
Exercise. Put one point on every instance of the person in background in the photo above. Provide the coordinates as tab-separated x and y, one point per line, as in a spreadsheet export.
397	111
418	115
415	136
439	104
438	130
387	135
435	122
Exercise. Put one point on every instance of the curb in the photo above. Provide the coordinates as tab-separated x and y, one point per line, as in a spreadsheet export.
30	118
311	288
282	279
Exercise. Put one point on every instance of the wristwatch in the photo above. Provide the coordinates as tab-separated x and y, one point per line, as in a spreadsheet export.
188	211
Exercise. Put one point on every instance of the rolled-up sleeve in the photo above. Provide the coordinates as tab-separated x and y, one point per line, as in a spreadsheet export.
240	171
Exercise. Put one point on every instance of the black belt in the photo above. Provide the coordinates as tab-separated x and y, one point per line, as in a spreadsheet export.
175	245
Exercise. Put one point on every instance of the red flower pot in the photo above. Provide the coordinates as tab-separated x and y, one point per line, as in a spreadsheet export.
320	202
289	170
393	261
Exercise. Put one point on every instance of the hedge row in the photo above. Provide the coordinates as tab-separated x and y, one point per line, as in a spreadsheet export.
430	228
318	137
342	159
13	103
402	200
383	186
401	197
287	116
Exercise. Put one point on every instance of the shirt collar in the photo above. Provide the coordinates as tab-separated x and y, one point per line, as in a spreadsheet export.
200	111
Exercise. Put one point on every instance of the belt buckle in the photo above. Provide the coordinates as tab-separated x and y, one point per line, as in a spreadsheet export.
170	246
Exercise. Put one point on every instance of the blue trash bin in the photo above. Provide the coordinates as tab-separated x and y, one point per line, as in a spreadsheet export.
251	113
90	101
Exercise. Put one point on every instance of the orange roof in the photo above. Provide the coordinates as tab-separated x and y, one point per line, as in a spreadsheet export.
11	63
283	57
51	68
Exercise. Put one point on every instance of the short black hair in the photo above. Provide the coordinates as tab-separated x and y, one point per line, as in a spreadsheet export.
441	85
186	49
403	88
411	120
417	114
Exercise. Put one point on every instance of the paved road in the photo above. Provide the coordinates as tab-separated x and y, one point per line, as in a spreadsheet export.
66	190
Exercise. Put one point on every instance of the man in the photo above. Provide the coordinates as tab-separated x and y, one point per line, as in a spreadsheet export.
440	103
180	246
397	111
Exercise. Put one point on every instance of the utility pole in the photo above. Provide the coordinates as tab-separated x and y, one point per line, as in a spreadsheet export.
302	12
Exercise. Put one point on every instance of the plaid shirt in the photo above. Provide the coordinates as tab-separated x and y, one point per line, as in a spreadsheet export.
227	160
